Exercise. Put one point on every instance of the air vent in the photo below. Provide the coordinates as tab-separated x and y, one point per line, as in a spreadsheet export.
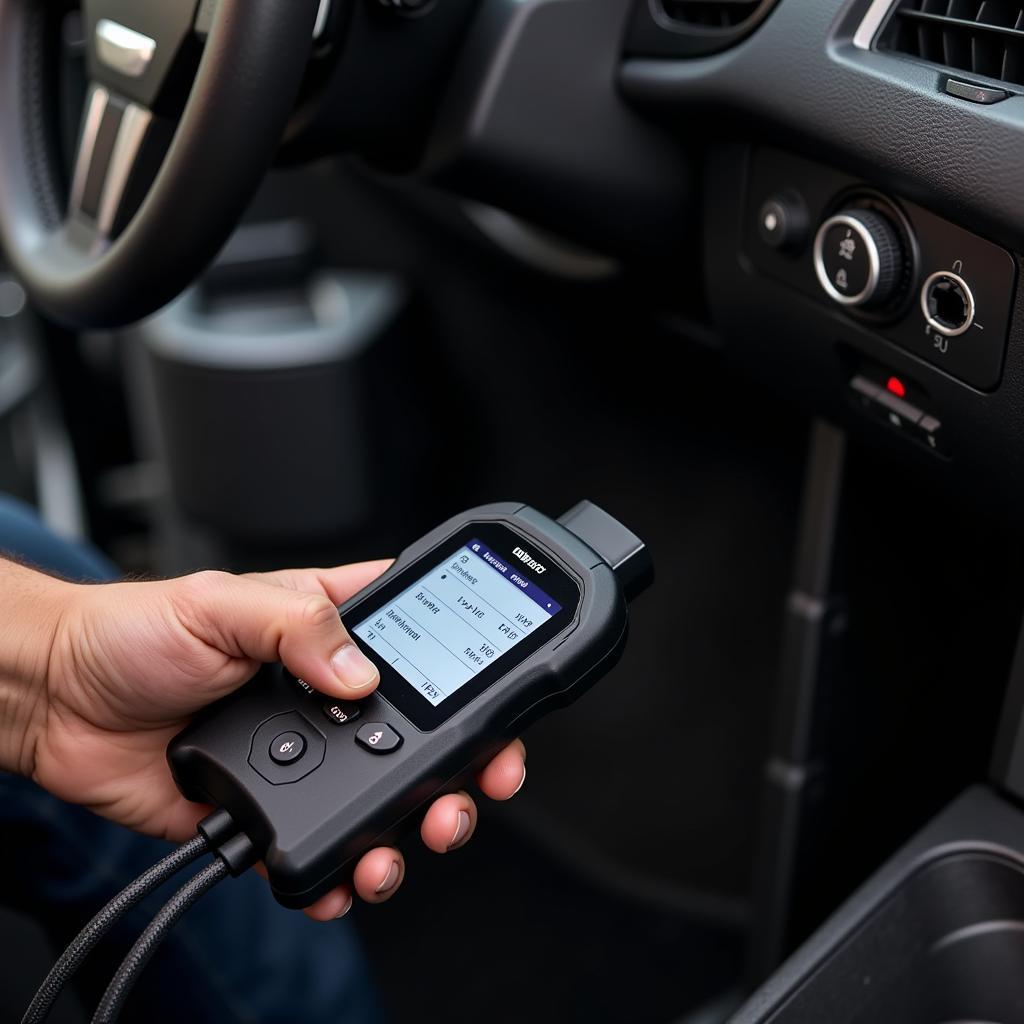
692	28
984	37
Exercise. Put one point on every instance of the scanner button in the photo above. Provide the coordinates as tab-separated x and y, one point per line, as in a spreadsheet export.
287	747
341	712
378	738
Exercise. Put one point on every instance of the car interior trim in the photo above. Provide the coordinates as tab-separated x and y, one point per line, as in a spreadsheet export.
96	107
868	29
322	14
874	272
130	136
123	49
968	300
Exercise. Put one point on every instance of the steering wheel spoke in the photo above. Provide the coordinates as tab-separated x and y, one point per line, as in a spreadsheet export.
110	160
178	130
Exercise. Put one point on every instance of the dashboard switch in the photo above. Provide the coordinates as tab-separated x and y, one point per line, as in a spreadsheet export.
898	412
865	388
783	222
975	93
929	431
947	303
865	393
883	405
859	259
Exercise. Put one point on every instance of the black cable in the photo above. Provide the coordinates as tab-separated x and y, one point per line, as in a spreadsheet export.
83	943
149	941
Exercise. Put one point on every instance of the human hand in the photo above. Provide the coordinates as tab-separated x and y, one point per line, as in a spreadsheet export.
131	663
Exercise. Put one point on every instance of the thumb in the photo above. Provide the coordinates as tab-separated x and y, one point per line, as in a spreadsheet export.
261	622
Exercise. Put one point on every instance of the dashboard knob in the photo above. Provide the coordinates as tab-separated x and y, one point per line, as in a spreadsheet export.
859	258
783	222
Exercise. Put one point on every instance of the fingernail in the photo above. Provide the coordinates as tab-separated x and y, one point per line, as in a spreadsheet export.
390	880
522	782
353	668
462	831
345	910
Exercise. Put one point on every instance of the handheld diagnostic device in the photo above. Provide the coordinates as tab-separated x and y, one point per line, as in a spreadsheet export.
490	621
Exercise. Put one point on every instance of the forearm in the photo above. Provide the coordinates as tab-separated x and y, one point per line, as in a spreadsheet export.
31	606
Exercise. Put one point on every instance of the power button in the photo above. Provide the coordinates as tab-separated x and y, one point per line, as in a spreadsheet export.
287	747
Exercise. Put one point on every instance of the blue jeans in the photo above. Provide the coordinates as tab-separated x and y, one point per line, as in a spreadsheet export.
235	957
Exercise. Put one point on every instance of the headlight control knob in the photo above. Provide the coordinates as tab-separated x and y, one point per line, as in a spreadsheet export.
859	258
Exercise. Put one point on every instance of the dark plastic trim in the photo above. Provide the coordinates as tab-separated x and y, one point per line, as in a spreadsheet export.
977	822
655	32
801	78
527	127
1008	758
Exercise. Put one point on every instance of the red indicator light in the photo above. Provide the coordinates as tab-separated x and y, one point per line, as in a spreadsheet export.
895	385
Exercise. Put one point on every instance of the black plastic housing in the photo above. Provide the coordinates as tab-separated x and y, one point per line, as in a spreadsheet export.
308	831
692	28
934	935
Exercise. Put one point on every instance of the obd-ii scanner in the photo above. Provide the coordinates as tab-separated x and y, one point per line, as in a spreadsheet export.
493	619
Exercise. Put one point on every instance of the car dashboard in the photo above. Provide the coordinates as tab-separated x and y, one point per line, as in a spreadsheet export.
861	192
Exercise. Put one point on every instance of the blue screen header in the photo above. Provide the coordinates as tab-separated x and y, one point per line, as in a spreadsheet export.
514	576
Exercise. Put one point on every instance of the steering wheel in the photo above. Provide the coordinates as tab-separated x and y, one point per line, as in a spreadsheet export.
175	139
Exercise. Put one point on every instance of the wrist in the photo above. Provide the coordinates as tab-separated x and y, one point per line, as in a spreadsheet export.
32	606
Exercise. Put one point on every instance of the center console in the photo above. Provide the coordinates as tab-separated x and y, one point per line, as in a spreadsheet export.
937	935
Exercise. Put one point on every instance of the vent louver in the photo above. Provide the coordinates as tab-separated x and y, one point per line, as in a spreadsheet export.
984	37
692	28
